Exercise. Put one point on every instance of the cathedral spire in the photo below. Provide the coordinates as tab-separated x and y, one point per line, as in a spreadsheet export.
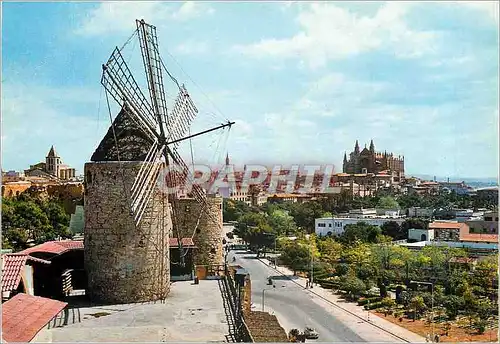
227	159
372	146
356	147
345	157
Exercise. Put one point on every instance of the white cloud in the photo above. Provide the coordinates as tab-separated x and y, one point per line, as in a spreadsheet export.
331	32
119	17
47	116
192	48
490	8
190	10
332	93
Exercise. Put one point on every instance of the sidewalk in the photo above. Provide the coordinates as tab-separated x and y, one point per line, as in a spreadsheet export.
361	315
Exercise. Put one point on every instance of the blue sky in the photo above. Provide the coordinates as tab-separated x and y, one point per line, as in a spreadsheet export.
303	81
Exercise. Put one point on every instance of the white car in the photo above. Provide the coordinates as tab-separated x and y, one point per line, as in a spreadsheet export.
311	333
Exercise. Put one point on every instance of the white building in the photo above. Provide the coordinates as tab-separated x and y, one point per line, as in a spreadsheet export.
363	213
418	234
388	212
336	225
240	195
420	212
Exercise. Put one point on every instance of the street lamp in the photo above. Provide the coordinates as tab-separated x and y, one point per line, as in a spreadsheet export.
312	267
275	239
432	302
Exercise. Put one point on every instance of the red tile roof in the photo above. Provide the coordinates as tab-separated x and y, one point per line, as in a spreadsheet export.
186	242
24	316
56	247
477	237
12	268
446	225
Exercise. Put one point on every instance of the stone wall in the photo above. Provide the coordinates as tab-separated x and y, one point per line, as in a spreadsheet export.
71	195
14	189
208	234
124	264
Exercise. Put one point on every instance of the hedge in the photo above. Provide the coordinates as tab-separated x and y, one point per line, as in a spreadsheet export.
374	305
371	300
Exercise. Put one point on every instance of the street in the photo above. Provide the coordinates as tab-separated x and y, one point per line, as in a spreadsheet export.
290	303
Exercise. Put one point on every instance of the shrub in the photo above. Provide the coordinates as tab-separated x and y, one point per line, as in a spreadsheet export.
369	300
388	302
374	305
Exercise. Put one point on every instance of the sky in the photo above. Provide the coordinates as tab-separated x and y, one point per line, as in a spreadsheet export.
302	80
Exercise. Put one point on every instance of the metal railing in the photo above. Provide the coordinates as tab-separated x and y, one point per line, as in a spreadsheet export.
234	292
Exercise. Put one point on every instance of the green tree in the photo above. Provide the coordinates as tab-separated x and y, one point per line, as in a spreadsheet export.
486	272
413	223
417	306
362	232
357	255
453	305
304	214
352	285
387	202
296	257
329	250
25	218
232	209
394	230
282	223
254	229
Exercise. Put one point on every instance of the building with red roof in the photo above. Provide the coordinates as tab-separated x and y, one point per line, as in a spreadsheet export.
50	269
24	316
17	273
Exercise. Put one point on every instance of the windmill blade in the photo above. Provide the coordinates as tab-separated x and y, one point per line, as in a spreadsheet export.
121	85
197	191
181	116
146	182
143	171
152	66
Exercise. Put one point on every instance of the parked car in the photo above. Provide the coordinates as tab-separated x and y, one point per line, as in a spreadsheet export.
311	333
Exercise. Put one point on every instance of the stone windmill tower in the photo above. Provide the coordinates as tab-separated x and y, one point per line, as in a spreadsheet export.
128	216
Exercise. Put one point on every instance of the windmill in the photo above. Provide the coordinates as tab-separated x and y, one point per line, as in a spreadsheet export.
155	127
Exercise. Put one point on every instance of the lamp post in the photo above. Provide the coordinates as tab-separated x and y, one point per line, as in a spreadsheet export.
275	239
263	296
312	267
432	302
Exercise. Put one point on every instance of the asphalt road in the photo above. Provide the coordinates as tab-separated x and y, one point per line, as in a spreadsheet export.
290	303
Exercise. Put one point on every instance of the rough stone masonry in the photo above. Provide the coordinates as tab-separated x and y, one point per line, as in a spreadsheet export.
207	233
124	264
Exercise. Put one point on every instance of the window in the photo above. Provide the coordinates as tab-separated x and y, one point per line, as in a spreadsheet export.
89	178
329	225
321	225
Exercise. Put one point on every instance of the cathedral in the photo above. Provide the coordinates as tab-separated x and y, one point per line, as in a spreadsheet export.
369	161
